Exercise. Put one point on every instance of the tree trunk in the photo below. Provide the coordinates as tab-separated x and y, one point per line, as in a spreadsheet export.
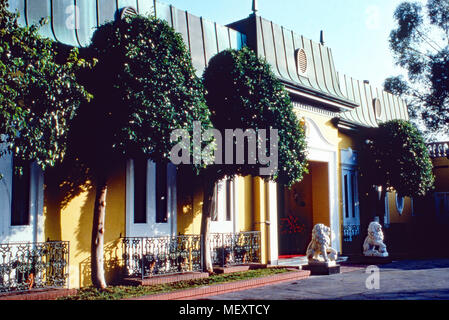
208	192
97	252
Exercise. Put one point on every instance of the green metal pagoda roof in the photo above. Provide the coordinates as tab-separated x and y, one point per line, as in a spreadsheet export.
305	67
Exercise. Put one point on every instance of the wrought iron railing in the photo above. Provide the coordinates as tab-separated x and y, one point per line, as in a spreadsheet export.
235	248
145	257
27	266
150	256
350	231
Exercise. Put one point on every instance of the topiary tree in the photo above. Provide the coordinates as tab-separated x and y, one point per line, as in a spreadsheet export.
145	87
39	93
395	157
243	93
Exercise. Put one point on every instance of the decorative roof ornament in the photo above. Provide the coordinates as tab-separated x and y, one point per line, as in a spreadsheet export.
322	37
127	12
255	7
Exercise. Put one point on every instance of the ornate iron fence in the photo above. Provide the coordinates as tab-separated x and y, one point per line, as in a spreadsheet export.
27	266
350	232
146	257
235	248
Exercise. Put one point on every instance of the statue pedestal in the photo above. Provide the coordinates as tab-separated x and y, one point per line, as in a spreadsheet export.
322	268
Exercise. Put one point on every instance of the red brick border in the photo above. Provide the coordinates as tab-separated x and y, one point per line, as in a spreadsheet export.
39	295
196	293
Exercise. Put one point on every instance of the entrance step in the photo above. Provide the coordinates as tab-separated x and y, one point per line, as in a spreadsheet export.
295	261
302	260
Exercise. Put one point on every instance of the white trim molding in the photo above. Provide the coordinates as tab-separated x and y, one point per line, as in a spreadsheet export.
272	207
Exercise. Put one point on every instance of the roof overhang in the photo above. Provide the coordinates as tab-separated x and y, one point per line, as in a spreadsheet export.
329	102
347	126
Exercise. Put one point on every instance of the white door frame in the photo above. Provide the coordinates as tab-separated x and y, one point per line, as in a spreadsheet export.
321	150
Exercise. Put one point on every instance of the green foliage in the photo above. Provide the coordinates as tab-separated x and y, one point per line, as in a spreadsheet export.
144	86
124	292
39	95
395	156
420	45
243	92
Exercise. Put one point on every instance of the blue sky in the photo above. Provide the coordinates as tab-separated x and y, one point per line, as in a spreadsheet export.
357	31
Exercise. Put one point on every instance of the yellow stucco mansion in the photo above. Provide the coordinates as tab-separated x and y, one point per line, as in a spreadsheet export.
148	204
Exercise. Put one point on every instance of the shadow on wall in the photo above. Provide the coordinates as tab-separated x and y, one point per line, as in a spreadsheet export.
190	198
69	212
113	265
83	232
114	228
62	184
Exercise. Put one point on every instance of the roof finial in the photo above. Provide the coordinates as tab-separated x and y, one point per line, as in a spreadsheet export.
255	7
322	37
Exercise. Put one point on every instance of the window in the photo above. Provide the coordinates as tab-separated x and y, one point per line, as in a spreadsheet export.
140	191
354	199
350	197
161	193
150	198
20	206
223	201
346	192
228	200
377	106
442	203
141	195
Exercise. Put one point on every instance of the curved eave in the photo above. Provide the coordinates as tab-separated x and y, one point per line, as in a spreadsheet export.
348	126
332	103
392	107
279	46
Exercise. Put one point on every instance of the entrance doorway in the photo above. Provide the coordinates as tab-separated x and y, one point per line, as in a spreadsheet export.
301	207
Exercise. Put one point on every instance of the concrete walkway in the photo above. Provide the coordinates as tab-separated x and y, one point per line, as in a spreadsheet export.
402	280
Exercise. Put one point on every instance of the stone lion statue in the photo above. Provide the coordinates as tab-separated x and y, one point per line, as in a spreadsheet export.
319	249
374	245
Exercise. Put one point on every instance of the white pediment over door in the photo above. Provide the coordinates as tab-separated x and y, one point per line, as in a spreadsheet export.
315	138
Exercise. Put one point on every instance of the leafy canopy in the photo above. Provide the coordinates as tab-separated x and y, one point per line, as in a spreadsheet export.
395	156
243	92
39	94
420	44
144	86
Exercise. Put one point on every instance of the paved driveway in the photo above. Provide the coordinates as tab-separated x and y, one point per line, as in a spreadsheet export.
403	280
